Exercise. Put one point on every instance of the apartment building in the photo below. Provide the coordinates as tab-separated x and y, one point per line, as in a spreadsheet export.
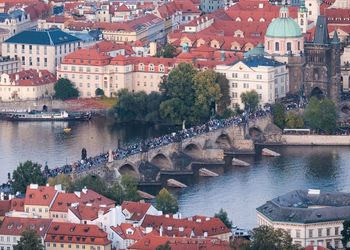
38	49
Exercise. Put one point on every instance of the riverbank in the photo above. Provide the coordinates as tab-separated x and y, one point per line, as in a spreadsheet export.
315	140
75	105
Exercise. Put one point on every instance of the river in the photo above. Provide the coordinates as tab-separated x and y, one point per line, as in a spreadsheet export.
237	190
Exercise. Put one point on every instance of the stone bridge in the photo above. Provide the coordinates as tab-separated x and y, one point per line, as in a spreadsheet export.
179	156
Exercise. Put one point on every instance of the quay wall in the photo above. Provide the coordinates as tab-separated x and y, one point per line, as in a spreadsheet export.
316	140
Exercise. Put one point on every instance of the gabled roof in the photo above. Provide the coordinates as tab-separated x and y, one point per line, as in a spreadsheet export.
122	8
76	234
123	229
16	225
49	37
17	204
88	213
32	77
137	209
63	201
40	196
4	207
90	56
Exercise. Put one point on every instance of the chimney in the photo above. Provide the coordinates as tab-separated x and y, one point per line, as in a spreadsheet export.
17	77
161	231
84	190
148	230
315	247
40	74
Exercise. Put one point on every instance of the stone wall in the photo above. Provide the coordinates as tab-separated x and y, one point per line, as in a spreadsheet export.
322	140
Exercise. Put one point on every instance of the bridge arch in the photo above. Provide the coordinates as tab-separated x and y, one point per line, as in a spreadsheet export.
317	92
256	134
128	168
345	109
224	141
161	161
193	150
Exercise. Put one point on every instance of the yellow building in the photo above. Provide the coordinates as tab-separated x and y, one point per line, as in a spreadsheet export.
39	199
72	236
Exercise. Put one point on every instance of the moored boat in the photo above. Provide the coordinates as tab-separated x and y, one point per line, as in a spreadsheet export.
48	116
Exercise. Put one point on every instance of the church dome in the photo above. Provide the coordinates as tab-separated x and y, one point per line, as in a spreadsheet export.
284	26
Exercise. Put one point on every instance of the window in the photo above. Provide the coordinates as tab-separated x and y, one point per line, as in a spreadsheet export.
234	85
310	233
48	244
258	86
298	233
23	60
245	76
234	75
45	50
88	85
259	77
319	232
260	96
234	94
96	77
299	45
62	245
246	85
277	46
45	62
328	231
80	84
40	210
336	231
289	46
88	77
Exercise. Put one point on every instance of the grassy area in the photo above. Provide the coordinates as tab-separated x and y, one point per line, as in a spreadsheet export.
108	102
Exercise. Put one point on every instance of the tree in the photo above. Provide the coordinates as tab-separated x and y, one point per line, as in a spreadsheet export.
99	92
250	100
29	240
279	115
83	153
166	202
293	120
64	89
265	237
116	193
153	104
222	215
168	51
62	179
207	91
177	89
346	234
240	244
321	115
225	100
95	183
129	185
164	247
25	174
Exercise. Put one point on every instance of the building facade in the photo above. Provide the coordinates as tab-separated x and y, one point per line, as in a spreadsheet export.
310	217
43	50
267	77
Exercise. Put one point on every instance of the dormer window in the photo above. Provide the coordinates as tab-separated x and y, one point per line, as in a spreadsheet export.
141	67
151	67
161	68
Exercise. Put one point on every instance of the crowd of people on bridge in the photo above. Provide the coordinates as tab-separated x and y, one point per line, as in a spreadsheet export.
145	145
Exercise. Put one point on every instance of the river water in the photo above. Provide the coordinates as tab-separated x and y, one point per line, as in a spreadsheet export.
237	190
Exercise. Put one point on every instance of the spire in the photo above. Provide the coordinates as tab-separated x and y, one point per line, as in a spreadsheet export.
321	33
335	39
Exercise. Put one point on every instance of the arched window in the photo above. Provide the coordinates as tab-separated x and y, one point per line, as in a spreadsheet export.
302	22
151	67
141	67
277	46
161	68
289	46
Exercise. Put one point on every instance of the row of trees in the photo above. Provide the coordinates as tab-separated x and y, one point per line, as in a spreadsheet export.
186	95
319	115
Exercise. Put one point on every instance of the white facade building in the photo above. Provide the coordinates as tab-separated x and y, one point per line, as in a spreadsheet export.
267	77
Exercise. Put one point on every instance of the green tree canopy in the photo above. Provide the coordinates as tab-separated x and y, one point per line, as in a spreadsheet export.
168	51
177	89
346	234
62	179
136	106
293	120
222	215
164	247
129	185
25	174
166	202
321	115
250	100
99	92
64	89
225	101
265	237
29	240
95	183
279	115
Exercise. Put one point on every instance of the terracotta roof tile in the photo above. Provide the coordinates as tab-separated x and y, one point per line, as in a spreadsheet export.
137	209
17	204
4	207
122	231
16	225
41	196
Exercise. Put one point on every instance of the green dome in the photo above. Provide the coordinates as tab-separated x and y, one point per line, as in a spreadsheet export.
283	28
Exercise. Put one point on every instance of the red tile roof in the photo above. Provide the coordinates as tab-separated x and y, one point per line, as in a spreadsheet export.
121	230
32	77
183	227
17	204
176	243
42	196
136	209
4	207
186	6
90	56
16	225
57	19
122	8
88	212
63	201
311	247
337	16
76	234
95	198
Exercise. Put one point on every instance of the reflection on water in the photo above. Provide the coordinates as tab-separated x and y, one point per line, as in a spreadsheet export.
238	190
